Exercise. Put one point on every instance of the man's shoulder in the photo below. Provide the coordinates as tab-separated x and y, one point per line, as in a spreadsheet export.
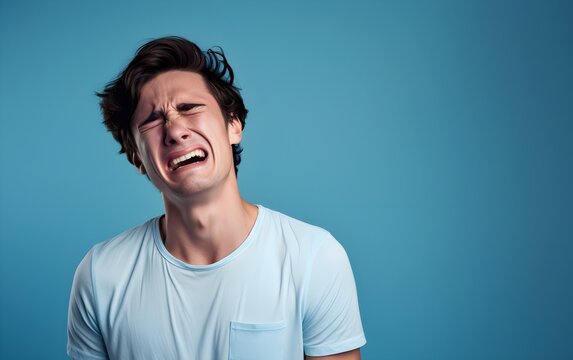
128	238
299	231
124	249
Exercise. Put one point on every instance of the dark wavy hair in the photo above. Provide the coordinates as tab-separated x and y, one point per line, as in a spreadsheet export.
120	96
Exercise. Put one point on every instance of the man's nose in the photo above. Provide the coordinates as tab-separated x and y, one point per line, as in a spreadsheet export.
175	129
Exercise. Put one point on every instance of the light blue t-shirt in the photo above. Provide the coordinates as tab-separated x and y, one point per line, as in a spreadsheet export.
287	290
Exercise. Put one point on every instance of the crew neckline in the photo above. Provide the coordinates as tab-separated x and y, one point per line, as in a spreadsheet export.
227	259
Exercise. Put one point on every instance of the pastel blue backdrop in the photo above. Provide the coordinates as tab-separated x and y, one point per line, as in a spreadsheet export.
434	139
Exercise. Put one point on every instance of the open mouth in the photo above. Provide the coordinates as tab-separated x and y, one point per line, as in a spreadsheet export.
190	158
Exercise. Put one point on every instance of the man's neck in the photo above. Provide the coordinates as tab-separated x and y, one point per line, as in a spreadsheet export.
204	232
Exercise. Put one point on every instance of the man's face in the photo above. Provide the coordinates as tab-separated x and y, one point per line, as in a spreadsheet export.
183	143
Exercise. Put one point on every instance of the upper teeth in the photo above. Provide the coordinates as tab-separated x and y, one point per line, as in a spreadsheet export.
187	156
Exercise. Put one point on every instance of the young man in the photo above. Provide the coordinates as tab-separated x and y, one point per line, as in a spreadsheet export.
215	277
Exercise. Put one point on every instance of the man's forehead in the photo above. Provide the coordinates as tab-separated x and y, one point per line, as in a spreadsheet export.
170	88
173	83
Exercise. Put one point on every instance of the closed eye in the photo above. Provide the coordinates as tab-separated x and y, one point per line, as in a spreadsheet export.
154	119
185	107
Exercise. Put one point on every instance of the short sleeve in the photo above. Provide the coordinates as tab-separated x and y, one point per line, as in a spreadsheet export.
331	316
84	337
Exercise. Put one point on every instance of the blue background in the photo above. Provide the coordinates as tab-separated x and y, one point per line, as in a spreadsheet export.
434	139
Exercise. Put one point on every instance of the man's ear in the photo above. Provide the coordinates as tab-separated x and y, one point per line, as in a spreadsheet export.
235	131
138	164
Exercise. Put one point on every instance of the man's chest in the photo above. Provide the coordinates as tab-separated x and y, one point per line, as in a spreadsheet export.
205	315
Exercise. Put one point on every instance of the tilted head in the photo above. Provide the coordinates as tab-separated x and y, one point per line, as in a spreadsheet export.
120	97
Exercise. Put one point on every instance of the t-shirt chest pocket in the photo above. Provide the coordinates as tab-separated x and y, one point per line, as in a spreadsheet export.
257	341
